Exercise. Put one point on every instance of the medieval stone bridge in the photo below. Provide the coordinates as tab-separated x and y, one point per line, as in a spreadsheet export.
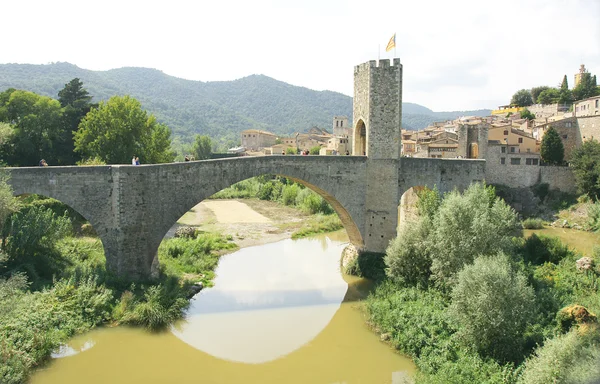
132	207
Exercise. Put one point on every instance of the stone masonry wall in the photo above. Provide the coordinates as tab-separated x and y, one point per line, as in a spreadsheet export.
559	178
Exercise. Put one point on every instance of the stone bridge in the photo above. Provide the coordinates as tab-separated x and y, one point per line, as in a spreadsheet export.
132	207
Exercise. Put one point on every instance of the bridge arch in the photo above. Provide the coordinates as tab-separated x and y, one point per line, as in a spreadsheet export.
317	177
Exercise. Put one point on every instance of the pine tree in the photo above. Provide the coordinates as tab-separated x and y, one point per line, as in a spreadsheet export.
552	151
564	85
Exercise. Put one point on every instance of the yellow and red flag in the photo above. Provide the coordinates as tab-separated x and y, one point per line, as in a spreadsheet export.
391	44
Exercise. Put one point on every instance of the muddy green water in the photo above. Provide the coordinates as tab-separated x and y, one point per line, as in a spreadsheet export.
583	242
279	313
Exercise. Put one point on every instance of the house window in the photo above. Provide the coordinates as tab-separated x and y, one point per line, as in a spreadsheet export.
535	161
528	161
505	133
515	161
503	149
520	140
341	124
512	149
565	137
597	102
503	160
568	124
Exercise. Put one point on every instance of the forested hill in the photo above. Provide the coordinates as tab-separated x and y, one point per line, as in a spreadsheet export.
220	109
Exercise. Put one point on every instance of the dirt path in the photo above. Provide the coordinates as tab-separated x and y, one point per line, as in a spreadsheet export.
248	222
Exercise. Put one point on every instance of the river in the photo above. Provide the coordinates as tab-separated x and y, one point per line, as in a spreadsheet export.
278	313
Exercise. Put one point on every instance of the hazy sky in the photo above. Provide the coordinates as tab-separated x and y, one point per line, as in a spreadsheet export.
457	54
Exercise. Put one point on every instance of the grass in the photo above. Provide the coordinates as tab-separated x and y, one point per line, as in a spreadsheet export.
532	223
318	223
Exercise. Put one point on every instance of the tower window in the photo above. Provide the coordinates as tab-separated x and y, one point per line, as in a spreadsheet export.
520	140
505	133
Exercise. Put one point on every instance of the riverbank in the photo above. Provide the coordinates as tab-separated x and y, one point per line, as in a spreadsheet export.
251	222
469	302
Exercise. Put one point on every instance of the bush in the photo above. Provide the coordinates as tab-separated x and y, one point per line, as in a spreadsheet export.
265	191
533	223
369	265
574	315
315	150
32	234
407	257
568	359
289	194
186	232
541	249
491	307
162	304
474	223
594	216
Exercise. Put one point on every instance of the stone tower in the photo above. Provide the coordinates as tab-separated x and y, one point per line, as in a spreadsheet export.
377	119
377	109
340	126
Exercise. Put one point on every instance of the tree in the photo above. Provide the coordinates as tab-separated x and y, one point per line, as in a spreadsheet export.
585	161
8	203
468	225
587	87
492	306
37	122
76	103
119	129
549	96
552	150
202	147
565	84
535	92
522	98
526	114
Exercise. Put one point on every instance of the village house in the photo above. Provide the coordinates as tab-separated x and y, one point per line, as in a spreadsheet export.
255	140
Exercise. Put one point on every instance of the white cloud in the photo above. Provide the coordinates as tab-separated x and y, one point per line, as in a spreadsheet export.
457	55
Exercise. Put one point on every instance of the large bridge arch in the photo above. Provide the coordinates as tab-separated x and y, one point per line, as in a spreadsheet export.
327	176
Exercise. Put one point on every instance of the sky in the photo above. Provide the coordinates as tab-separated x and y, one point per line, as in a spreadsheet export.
456	54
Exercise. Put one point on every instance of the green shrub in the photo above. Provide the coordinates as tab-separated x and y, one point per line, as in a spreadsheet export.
533	223
162	304
291	151
541	249
407	257
467	225
32	234
369	265
491	307
429	202
265	191
594	216
289	194
567	359
315	150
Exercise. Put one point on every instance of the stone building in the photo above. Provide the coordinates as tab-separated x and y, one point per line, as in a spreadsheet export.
573	131
472	139
587	107
256	140
520	141
378	107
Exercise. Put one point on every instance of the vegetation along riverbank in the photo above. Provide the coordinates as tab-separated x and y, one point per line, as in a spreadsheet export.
54	284
472	301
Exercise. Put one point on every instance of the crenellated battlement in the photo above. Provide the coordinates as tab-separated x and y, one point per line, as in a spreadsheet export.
383	63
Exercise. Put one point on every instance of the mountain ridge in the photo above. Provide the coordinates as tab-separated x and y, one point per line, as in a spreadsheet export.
221	109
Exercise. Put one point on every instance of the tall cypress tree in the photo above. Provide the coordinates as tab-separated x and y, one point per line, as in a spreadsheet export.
553	151
76	103
564	85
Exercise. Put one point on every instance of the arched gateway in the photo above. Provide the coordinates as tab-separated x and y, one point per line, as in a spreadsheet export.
132	207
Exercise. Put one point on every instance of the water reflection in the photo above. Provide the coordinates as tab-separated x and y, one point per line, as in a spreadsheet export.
267	301
318	340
